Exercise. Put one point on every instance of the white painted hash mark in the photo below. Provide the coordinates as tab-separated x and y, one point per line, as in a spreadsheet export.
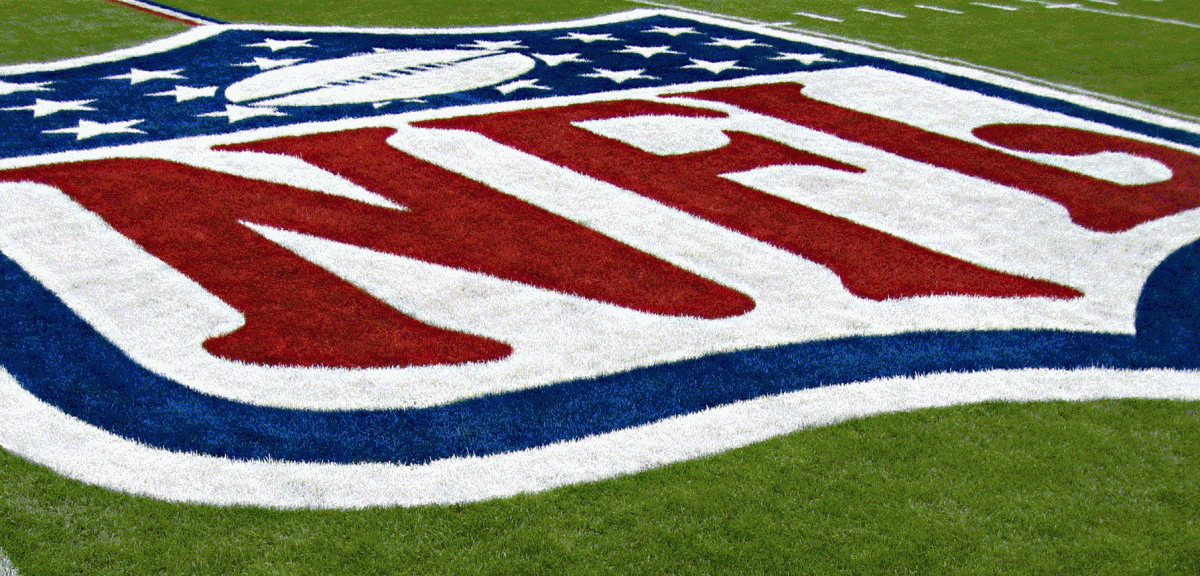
882	13
996	6
1081	8
818	16
1138	16
1108	2
6	566
939	9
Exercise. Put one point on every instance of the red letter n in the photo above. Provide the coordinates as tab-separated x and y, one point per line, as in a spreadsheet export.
301	315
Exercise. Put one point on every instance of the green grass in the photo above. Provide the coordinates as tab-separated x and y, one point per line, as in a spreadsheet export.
1135	59
1059	488
1093	488
439	13
41	31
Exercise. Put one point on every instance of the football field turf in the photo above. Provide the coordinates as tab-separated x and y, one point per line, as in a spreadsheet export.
1100	487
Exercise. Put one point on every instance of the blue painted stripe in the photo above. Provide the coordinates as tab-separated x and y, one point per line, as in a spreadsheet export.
1046	103
63	361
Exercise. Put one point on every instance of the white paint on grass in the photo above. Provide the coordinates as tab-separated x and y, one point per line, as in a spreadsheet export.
379	77
882	13
166	12
161	317
41	433
996	6
6	566
818	16
998	227
1138	17
939	9
1081	8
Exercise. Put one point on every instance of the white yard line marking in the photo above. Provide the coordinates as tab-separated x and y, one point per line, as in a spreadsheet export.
1108	2
996	6
742	19
165	12
939	9
943	59
818	16
1137	16
1081	8
882	13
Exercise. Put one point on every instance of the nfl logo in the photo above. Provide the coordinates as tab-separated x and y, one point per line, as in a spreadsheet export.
338	268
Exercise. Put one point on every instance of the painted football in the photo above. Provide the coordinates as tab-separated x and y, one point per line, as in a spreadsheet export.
379	77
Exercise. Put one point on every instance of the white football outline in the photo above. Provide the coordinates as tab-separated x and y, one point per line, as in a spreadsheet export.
381	76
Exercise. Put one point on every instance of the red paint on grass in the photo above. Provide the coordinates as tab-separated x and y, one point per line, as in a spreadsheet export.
1092	203
299	314
871	264
1112	207
156	12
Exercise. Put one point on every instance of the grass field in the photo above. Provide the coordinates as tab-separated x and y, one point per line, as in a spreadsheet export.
1106	487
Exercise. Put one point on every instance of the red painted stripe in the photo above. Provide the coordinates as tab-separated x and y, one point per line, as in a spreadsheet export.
166	15
299	314
1092	203
872	264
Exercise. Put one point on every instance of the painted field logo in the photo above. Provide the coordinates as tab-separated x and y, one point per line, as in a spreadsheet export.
324	267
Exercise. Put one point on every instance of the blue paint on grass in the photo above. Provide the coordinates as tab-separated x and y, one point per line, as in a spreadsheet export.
62	360
193	15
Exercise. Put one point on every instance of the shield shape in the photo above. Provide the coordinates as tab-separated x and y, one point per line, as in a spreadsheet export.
356	267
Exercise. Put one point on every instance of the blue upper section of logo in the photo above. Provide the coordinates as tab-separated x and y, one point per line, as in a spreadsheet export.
183	91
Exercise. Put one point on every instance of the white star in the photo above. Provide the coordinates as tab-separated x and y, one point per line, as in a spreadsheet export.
647	51
673	32
136	76
277	45
494	45
378	105
185	93
520	85
807	59
731	43
11	88
87	129
556	59
715	67
237	113
267	63
588	38
47	107
620	76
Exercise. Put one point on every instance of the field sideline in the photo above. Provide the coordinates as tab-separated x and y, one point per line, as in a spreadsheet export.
1099	487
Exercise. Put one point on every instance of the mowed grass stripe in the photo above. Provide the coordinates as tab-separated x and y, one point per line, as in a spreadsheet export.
424	13
1138	60
40	31
1093	488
